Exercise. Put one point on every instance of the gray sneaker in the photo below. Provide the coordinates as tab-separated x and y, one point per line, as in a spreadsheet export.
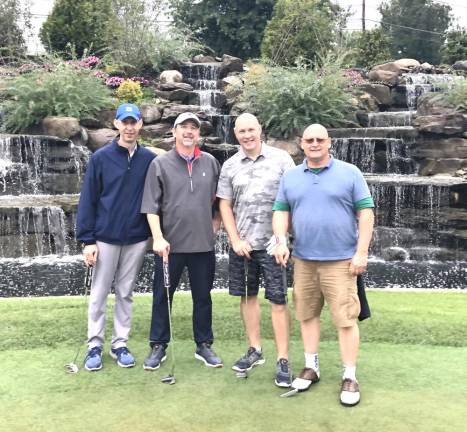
252	358
155	357
205	353
283	373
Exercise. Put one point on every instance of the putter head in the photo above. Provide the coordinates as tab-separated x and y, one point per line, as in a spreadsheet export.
290	393
72	368
169	379
243	374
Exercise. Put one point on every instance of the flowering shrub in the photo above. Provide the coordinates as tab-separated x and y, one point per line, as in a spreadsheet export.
129	91
354	77
90	62
114	81
143	81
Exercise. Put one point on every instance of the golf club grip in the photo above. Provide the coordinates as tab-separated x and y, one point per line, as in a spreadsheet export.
165	268
88	278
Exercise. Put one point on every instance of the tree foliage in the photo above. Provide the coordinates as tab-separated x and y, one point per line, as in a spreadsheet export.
426	15
12	17
455	46
84	24
302	29
369	48
139	46
227	27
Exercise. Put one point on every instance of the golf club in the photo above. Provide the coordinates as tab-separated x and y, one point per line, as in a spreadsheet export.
244	374
290	393
72	367
169	379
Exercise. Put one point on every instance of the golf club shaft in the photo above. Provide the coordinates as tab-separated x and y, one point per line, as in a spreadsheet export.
87	286
165	267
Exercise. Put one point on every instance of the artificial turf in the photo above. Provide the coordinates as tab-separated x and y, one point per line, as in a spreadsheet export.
412	371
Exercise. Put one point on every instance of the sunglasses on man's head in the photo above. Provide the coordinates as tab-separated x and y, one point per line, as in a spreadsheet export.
312	140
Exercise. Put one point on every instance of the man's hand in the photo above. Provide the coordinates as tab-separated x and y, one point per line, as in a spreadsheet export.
358	264
242	248
160	246
281	253
90	255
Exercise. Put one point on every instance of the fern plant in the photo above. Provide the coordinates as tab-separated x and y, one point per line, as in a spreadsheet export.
64	90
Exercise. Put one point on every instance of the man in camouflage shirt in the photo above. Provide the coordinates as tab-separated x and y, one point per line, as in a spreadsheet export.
247	188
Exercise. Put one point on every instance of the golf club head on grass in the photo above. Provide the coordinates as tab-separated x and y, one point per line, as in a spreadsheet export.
290	393
243	374
169	379
72	368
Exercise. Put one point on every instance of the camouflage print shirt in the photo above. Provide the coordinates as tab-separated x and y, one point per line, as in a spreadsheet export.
252	186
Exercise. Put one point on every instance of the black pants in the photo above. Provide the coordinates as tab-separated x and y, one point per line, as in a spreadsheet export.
201	268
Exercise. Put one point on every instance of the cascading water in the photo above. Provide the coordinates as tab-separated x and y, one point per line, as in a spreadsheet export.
419	83
40	178
204	77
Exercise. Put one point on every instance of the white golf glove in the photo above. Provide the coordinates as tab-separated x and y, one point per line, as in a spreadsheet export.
273	242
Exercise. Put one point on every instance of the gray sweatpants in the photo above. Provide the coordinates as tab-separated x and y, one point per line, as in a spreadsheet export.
119	265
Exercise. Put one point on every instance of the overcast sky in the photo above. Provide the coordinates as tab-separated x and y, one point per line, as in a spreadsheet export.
41	8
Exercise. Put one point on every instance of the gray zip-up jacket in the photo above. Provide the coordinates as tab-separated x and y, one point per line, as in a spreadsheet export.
183	197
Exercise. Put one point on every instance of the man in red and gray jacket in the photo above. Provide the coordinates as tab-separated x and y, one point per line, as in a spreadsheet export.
179	200
114	233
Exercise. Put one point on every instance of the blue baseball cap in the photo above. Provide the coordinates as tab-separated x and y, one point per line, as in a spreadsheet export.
128	110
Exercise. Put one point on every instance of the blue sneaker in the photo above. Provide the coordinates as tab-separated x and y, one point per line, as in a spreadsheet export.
93	359
124	357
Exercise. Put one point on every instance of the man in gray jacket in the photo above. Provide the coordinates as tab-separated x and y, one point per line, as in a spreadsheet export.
179	199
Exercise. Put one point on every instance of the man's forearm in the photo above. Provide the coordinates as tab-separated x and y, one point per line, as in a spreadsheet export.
228	219
366	221
155	225
280	223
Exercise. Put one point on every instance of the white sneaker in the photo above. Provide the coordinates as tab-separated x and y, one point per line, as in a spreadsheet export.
350	392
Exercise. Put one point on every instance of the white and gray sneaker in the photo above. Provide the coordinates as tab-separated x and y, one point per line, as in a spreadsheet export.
283	373
251	358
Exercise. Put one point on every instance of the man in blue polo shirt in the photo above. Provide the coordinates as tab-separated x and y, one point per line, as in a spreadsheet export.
114	233
332	221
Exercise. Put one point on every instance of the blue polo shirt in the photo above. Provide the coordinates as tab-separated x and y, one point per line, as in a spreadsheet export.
323	208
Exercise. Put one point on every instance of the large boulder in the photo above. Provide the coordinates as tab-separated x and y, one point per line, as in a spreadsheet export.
389	67
367	102
230	64
292	147
433	104
62	127
171	112
406	63
171	76
460	65
232	86
179	95
446	124
150	113
156	150
380	92
100	137
200	58
450	166
440	148
158	130
102	119
175	86
389	77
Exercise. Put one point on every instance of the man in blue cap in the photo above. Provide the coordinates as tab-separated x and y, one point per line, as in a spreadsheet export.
114	233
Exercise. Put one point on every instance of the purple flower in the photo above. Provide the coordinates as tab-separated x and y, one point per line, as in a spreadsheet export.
114	81
143	81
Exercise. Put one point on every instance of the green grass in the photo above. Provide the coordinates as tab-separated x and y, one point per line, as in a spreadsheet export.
412	371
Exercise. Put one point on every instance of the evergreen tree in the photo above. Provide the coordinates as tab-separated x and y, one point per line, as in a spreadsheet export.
227	27
455	46
12	18
419	14
83	24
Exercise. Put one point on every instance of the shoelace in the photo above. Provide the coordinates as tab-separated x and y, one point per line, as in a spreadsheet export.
121	351
93	352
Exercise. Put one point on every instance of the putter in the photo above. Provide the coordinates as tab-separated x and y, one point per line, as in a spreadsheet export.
72	367
169	379
284	282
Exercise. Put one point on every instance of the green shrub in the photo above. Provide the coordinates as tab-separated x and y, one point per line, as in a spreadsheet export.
64	89
457	94
129	91
288	99
455	45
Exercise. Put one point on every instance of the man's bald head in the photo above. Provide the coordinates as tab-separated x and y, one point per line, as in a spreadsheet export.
246	118
315	131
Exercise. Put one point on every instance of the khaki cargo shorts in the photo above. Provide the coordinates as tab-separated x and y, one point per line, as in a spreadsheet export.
317	281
